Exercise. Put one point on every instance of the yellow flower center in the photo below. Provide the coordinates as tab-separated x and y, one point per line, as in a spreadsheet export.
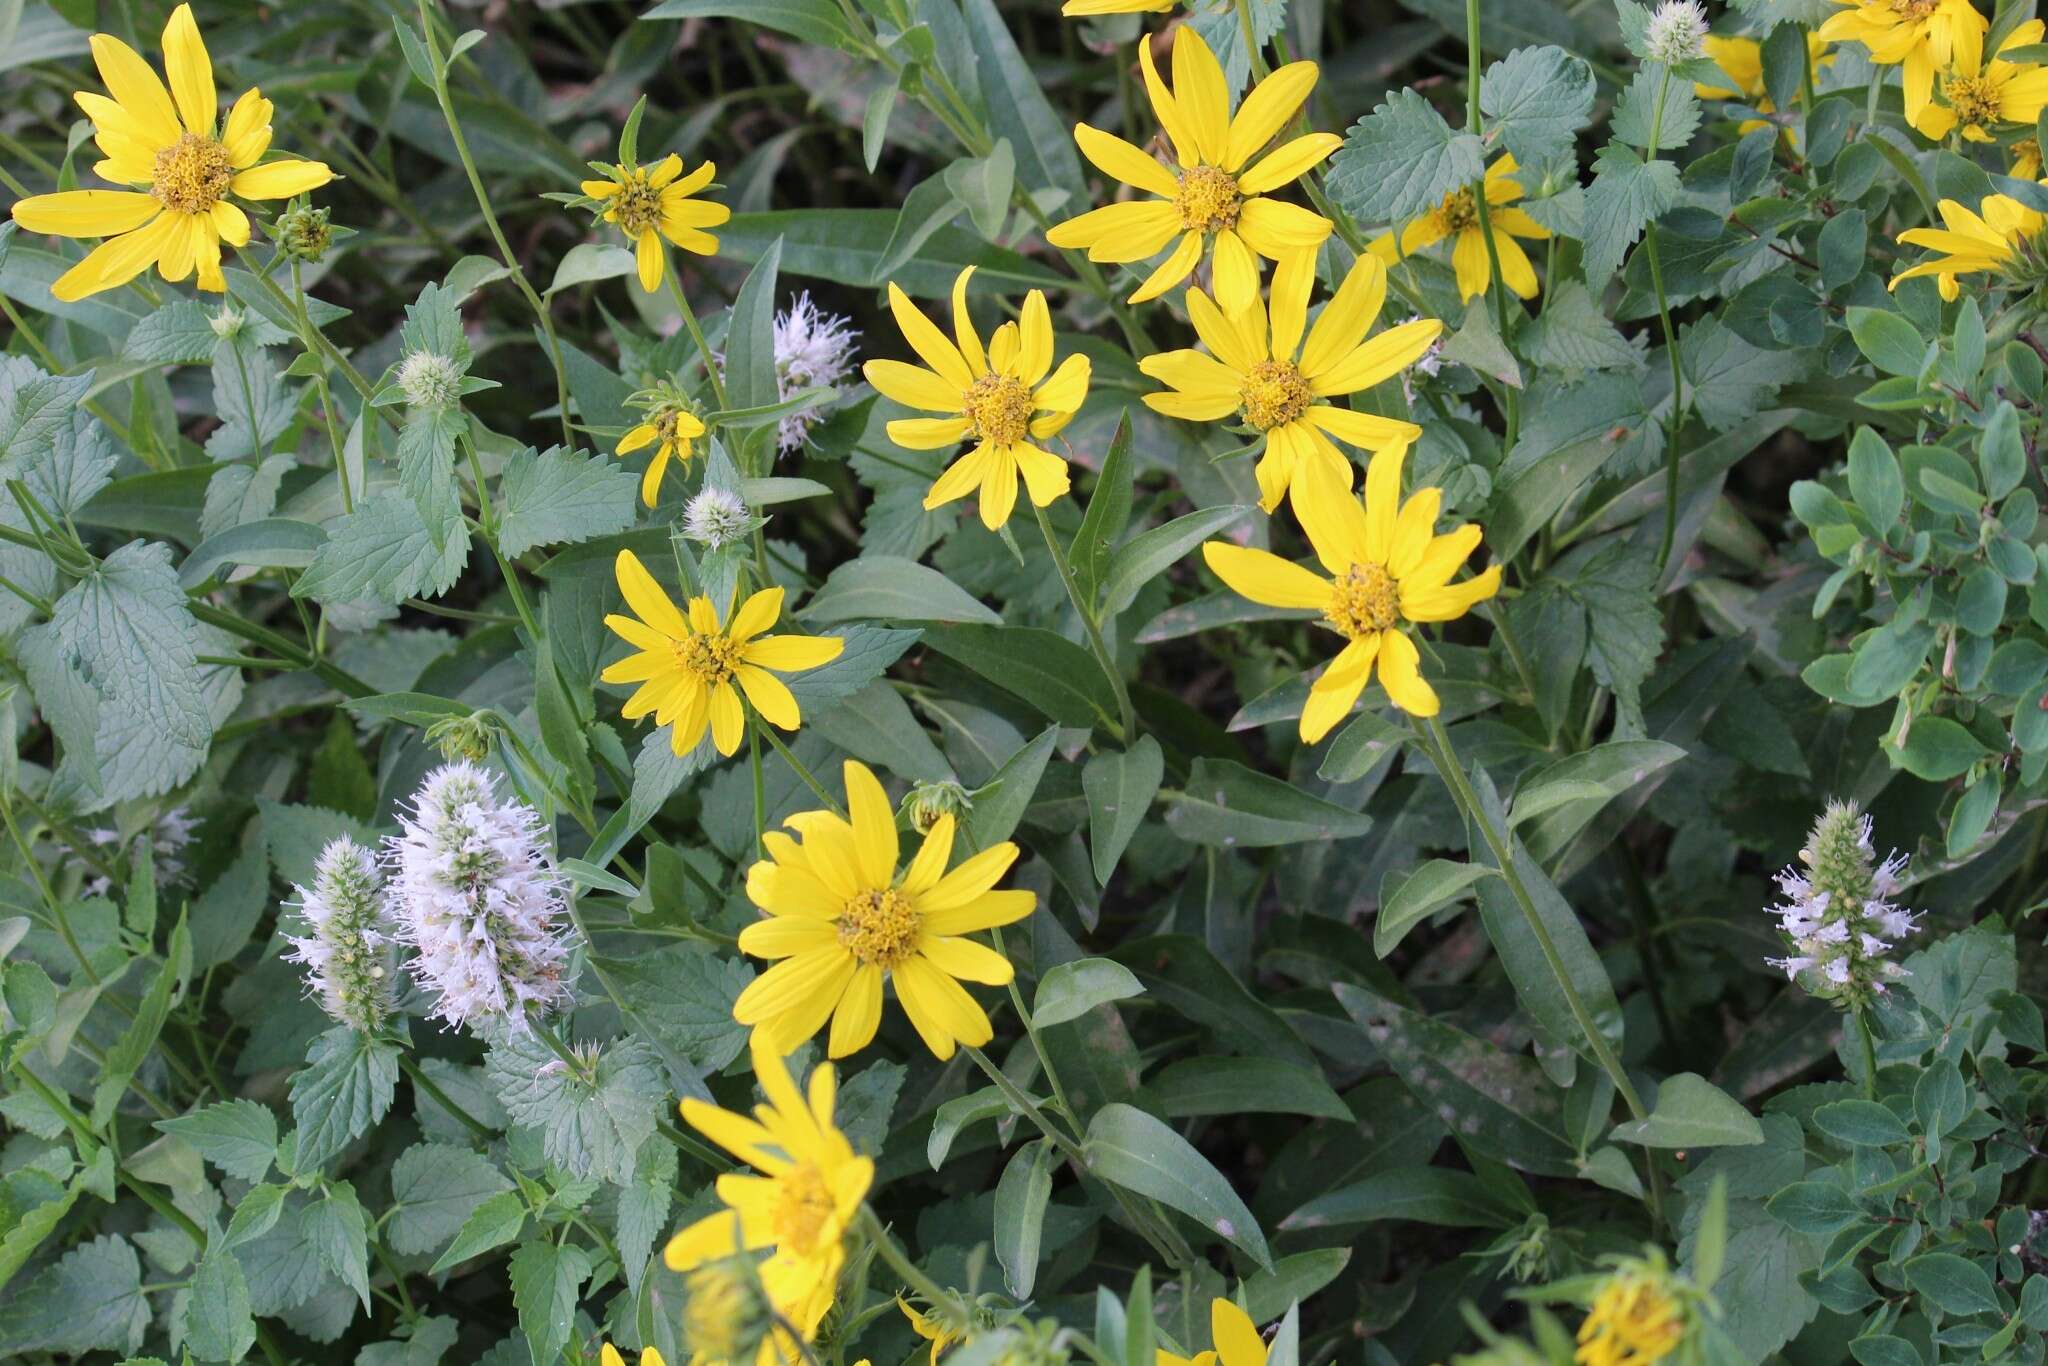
710	658
1915	9
1365	601
1274	394
803	1205
1973	98
1631	1321
191	175
637	206
1000	409
880	928
1459	211
1209	199
665	420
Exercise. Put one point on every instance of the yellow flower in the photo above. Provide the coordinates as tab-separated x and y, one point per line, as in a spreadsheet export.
670	428
1211	200
1919	36
1990	241
1260	368
1458	217
1236	1337
1388	569
1635	1320
796	1210
169	143
842	918
1975	97
999	398
928	1326
1742	60
608	1355
2026	160
687	666
649	203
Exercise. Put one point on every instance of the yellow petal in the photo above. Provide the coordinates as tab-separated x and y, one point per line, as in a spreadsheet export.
874	825
1235	272
790	654
929	433
191	72
1412	530
1266	110
1288	162
647	260
762	609
1382	501
1045	474
1034	340
998	489
1186	148
964	334
1237	1338
958	479
1265	578
1170	272
649	601
1292	280
1067	388
1121	161
247	135
85	213
117	260
1116	233
280	179
1377	360
913	386
135	87
1273	228
1347	317
931	345
231	223
1401	675
1201	92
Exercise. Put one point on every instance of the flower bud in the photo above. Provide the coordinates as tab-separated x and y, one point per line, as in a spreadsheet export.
304	232
465	737
1676	33
716	517
929	801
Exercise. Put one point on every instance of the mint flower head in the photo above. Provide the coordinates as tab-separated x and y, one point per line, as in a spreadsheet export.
1838	915
347	946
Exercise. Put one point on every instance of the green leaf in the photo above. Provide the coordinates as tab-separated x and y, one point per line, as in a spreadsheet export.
1245	1086
1056	676
984	185
680	998
384	552
556	498
546	1282
1656	108
891	588
1573	335
845	245
127	626
590	261
1590	779
1730	380
1401	160
1000	803
1424	1195
1109	510
750	380
1131	1149
1233	806
1017	108
1874	479
1021	1196
339	1235
1938	749
1416	895
1120	787
1956	1284
643	1209
586	1127
1891	343
345	1087
1627	193
1068	991
1692	1112
268	543
238	1136
1860	1123
218	1324
493	1223
1815	1207
813	21
1293	1279
1151	553
90	1300
121	1061
435	1190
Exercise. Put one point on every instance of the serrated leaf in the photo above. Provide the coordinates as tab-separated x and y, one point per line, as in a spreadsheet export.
1626	194
1401	160
546	1282
238	1136
435	1189
587	1127
345	1087
1535	99
383	552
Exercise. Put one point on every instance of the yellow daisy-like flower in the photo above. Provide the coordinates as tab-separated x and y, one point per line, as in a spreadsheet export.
1635	1320
170	144
1388	569
806	1188
608	1355
687	666
1975	98
2026	160
1211	199
999	398
842	918
650	203
928	1326
1236	1337
1742	59
1918	36
1458	218
1990	240
1259	367
671	427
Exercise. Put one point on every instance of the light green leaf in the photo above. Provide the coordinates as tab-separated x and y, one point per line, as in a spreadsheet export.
1070	990
891	588
1128	1147
238	1136
1692	1112
556	498
1401	160
1120	787
1021	1196
1233	806
435	1189
1418	895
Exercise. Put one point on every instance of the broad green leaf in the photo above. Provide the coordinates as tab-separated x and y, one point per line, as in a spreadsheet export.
1120	787
1956	1284
1151	553
1426	1195
813	21
435	1190
1245	1086
1021	1196
555	498
891	588
1535	99
1131	1149
1401	160
1070	990
345	1087
588	1127
238	1136
218	1324
1236	807
1415	896
1692	1112
493	1223
547	1281
1056	676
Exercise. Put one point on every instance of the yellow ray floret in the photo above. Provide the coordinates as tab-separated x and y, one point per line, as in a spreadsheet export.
1989	240
842	918
1000	398
1214	196
1920	37
1742	60
1458	219
1236	1337
1275	373
805	1189
649	203
1976	98
1388	570
180	162
671	428
692	670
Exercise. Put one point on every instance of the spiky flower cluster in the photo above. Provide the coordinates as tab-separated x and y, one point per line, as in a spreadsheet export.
1837	912
1677	32
475	893
429	380
716	517
812	348
347	948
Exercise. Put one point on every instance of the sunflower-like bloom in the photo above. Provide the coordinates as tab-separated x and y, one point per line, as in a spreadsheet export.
796	1210
1635	1319
687	666
671	426
1742	60
1260	368
842	917
1977	97
1919	36
1236	1337
1210	199
1458	218
184	164
999	398
1992	239
1388	569
649	203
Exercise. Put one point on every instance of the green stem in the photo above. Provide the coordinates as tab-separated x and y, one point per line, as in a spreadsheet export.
483	202
1869	1053
1127	719
334	441
441	1098
1511	403
1673	423
913	1275
675	288
488	521
767	732
1251	45
1437	743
